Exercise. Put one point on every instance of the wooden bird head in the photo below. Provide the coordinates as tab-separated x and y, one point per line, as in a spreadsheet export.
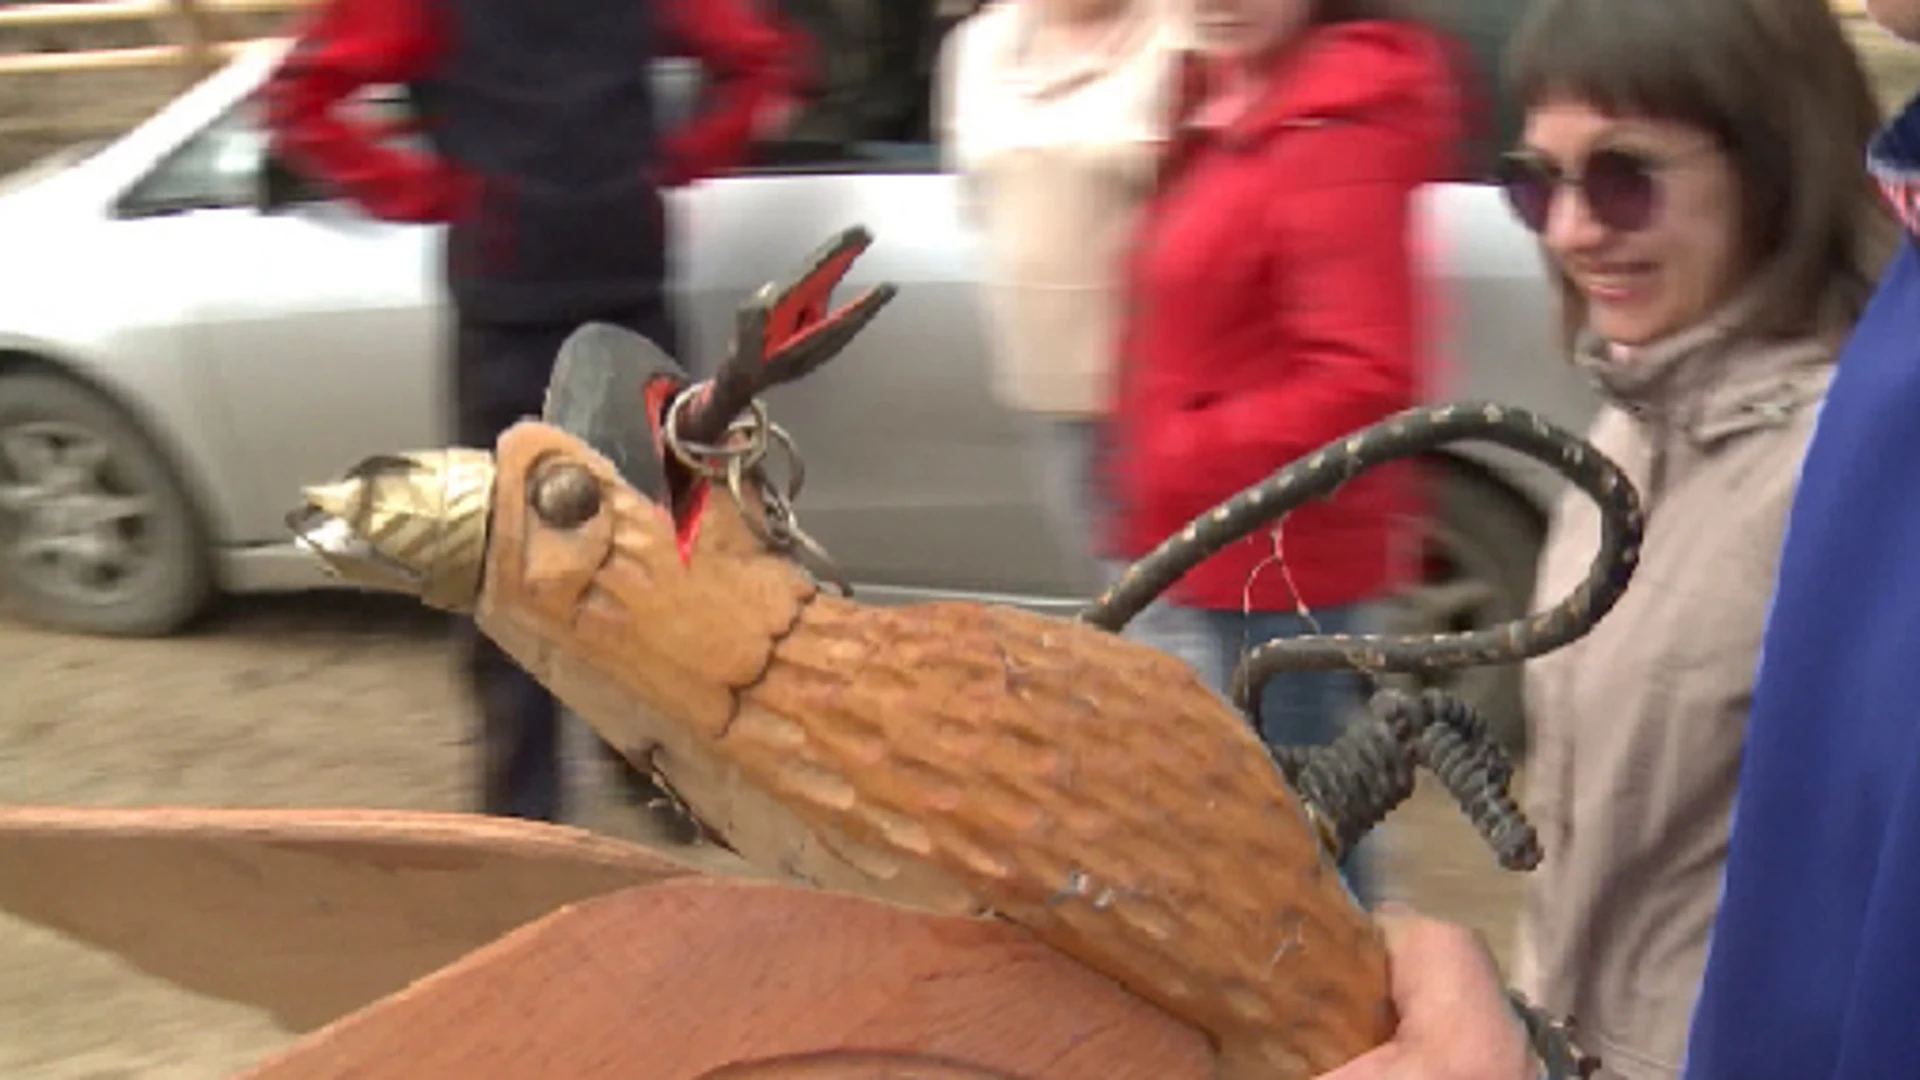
637	566
603	481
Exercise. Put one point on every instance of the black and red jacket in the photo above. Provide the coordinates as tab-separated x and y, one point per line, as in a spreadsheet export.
540	114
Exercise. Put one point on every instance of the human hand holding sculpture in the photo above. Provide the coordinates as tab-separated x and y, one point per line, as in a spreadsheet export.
1455	1020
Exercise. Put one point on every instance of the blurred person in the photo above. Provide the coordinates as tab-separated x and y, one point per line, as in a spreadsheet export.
1054	114
546	162
1813	967
1708	218
1276	304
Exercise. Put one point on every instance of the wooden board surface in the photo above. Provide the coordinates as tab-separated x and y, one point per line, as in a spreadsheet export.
716	979
308	914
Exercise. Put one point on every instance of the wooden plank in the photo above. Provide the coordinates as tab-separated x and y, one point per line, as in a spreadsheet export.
197	30
92	12
308	914
94	60
95	12
66	126
704	979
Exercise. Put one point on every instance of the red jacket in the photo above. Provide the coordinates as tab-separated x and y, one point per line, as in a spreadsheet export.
1276	306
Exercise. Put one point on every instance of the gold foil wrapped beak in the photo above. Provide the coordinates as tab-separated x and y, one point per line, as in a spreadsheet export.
414	523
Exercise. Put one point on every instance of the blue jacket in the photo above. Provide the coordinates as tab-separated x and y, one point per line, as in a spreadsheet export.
1814	969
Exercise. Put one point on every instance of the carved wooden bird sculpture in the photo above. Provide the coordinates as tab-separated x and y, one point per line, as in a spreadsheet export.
632	550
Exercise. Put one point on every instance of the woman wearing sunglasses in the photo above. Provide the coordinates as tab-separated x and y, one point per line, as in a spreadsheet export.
1275	307
1696	174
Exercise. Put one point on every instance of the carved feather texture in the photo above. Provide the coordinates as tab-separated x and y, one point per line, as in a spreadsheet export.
1086	786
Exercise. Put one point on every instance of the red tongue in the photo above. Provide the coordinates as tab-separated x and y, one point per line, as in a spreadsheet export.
686	522
687	492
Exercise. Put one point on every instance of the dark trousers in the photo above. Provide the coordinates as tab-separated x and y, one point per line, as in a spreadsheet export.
500	374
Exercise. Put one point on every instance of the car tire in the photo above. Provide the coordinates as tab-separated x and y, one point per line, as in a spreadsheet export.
1480	551
97	533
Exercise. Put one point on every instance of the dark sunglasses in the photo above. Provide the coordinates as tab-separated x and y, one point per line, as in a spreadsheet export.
1621	187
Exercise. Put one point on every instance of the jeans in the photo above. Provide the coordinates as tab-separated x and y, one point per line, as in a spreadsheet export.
1066	460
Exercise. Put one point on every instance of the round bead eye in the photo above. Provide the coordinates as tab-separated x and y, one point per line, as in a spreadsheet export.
566	495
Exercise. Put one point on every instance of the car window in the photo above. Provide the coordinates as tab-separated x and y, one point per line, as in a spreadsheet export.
216	168
223	165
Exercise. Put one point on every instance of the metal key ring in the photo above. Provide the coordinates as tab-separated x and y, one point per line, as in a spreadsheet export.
708	460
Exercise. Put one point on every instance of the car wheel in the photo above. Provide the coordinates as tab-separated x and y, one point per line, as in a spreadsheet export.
97	535
1478	556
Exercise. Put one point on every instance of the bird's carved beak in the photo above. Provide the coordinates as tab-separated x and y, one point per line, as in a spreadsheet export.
413	523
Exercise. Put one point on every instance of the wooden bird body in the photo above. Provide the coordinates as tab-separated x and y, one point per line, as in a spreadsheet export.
958	757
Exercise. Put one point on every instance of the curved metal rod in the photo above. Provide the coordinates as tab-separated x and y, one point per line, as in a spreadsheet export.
1407	434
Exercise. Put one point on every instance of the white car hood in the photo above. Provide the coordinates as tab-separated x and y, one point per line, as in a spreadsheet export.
31	177
49	234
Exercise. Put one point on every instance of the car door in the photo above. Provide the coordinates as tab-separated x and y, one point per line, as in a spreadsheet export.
314	325
916	477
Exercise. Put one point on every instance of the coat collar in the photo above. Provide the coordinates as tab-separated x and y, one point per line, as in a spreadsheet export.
1710	381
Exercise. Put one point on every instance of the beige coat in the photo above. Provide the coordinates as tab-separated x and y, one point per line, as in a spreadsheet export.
1055	167
1636	730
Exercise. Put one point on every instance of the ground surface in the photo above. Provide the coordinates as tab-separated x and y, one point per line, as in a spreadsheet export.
313	701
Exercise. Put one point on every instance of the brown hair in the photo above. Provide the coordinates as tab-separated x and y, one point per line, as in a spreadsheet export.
1780	88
